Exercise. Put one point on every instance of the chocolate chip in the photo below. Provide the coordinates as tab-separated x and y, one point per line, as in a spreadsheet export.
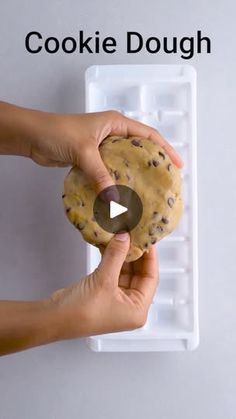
80	226
63	196
170	202
165	220
68	210
162	155
169	167
116	174
154	214
152	230
153	241
155	163
136	143
146	245
160	229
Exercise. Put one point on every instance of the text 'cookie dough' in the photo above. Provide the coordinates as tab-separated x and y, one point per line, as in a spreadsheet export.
142	165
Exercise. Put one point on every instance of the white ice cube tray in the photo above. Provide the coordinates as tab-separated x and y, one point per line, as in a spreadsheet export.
164	97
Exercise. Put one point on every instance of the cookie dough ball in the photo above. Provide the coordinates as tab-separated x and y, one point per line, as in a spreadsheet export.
145	167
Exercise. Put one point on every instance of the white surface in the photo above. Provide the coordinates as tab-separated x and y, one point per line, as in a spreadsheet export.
163	97
116	209
40	251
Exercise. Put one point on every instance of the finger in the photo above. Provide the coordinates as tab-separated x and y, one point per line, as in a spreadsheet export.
127	268
131	127
124	281
138	128
147	265
113	258
92	165
126	272
126	275
146	274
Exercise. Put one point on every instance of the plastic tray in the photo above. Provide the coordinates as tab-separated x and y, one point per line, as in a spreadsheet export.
164	97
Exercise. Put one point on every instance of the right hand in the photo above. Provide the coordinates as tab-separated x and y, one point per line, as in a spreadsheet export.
115	297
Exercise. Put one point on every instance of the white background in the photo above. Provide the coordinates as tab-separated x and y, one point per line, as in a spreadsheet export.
40	251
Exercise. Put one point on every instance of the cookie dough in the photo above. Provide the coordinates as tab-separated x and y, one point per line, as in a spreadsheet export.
145	167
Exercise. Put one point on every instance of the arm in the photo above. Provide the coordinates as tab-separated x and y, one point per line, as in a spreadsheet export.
16	129
24	324
61	140
69	139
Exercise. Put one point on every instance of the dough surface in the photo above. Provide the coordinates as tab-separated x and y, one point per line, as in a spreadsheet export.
145	167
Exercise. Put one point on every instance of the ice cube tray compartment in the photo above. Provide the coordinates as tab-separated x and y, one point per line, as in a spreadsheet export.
173	255
167	96
163	97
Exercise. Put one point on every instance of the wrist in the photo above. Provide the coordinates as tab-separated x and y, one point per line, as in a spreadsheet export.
67	320
46	320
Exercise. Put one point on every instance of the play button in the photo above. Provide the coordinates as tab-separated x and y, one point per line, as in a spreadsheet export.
118	208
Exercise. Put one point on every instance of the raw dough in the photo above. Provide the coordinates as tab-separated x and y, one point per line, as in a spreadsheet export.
145	167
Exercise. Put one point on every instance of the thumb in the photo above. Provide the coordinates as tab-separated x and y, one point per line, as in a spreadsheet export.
93	166
114	257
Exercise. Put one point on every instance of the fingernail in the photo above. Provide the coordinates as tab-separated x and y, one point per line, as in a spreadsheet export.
122	237
110	194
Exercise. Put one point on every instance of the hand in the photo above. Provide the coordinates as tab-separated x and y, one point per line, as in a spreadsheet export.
115	297
62	140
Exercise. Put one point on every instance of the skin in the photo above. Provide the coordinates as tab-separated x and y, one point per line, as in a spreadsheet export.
117	295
